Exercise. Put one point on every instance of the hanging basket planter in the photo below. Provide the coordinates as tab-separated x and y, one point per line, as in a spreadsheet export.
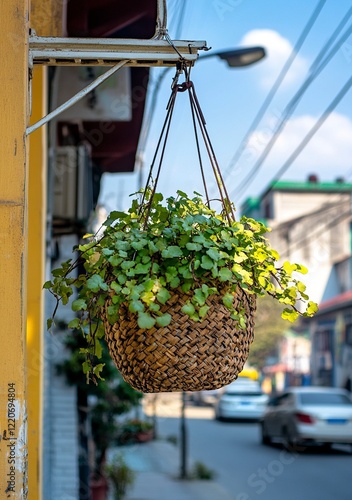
171	285
185	355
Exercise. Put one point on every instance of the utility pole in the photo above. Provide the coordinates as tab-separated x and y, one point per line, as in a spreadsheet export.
14	104
184	439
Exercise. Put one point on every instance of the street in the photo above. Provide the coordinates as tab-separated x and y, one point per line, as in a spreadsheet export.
250	470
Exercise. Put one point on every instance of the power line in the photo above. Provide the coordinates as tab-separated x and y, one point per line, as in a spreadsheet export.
307	239
276	85
313	131
319	65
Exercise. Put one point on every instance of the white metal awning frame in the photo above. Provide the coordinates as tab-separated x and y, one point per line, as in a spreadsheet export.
158	51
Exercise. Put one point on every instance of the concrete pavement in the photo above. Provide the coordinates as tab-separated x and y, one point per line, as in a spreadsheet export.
157	467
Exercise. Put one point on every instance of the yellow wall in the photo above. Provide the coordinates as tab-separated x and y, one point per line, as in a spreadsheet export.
36	278
47	17
46	20
13	236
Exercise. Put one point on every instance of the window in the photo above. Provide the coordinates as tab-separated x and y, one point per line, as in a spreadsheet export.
322	398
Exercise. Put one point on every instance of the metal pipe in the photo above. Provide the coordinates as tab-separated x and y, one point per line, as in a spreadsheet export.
75	98
161	20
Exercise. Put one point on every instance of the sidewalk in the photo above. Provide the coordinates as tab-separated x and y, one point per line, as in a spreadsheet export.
157	465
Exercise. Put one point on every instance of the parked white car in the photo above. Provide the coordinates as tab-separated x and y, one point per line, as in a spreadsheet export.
303	415
242	399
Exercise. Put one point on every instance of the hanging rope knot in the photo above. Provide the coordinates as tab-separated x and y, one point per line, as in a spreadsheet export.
182	87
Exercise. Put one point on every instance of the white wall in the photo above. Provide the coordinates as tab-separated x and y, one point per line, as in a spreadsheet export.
60	446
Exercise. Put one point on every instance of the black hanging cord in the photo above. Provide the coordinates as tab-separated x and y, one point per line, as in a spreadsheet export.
163	137
198	123
196	109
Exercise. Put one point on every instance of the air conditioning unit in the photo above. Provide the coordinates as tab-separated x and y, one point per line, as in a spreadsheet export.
72	185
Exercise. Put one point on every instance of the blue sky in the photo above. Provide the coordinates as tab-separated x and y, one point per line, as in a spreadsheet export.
230	99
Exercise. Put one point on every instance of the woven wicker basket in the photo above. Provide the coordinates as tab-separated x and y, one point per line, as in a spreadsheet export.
184	356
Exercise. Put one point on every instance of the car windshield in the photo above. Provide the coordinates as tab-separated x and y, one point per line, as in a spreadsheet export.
322	398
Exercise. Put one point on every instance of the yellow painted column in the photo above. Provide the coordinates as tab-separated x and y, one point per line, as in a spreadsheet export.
36	277
13	240
46	19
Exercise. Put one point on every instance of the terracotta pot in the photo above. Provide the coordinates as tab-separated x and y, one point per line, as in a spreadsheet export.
143	437
99	488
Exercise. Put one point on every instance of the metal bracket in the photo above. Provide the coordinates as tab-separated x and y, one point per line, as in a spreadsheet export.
55	51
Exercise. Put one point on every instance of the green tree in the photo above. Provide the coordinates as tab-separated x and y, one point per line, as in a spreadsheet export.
269	330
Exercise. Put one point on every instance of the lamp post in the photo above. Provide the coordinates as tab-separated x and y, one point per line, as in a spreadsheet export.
235	58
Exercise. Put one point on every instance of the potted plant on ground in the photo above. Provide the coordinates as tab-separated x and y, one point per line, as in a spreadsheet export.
121	476
171	285
135	431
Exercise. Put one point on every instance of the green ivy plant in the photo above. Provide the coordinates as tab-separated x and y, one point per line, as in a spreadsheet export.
160	245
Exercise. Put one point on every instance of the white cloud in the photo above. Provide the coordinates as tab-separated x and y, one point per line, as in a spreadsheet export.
328	154
278	50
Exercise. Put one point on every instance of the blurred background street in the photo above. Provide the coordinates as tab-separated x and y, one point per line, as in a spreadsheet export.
245	467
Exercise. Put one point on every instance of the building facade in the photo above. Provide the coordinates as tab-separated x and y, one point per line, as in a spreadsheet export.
311	224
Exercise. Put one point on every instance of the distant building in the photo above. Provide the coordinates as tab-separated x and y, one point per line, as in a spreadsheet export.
331	334
311	224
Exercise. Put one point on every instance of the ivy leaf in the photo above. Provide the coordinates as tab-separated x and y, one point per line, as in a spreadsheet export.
188	309
301	287
145	321
79	305
138	245
114	215
289	268
113	313
186	286
127	264
301	269
163	295
311	308
86	365
171	252
207	262
193	246
164	320
147	297
74	323
96	283
213	254
290	315
228	299
199	296
174	283
203	311
153	307
98	348
98	369
142	268
136	306
225	274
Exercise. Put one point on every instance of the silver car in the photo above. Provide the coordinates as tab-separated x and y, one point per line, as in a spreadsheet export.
316	415
241	399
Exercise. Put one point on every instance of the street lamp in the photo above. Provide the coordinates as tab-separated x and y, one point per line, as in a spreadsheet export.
235	58
239	58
